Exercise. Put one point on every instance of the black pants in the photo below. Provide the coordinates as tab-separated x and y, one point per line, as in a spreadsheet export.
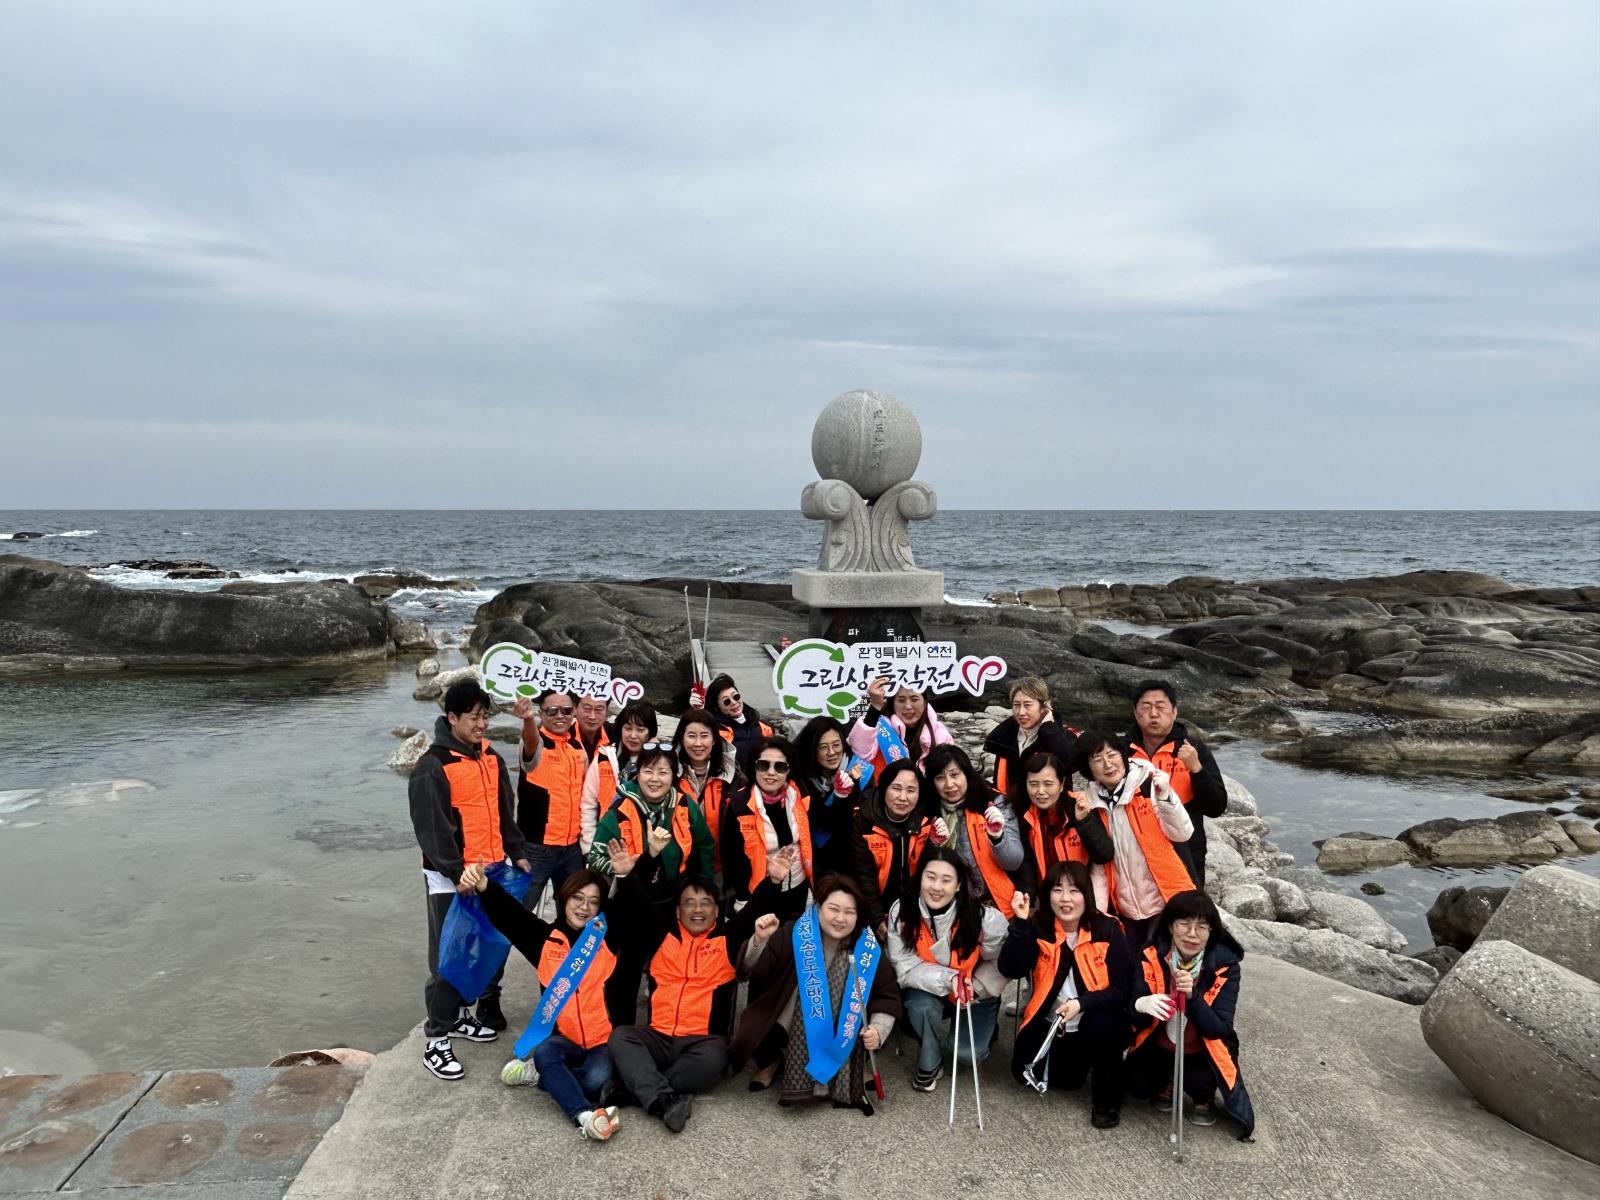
1094	1052
651	1065
441	1001
1137	933
1150	1072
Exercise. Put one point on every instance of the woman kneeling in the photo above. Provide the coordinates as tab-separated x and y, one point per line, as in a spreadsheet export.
940	944
1082	972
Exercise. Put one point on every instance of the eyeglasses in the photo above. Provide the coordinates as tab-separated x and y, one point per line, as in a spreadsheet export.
558	712
1192	924
727	696
776	765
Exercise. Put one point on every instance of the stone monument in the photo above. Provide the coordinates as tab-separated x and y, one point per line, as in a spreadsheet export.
866	585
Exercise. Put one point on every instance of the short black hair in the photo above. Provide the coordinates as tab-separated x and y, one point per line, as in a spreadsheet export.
548	692
1090	743
1155	685
464	696
694	883
1194	903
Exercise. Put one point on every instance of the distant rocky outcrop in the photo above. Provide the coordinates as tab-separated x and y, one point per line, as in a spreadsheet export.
55	617
382	584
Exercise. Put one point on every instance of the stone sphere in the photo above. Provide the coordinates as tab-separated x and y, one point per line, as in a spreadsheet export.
868	439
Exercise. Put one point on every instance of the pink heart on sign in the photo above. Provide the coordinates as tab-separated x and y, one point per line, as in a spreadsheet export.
624	690
974	671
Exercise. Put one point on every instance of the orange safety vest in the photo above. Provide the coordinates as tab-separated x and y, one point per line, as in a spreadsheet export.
712	801
584	1019
882	847
755	837
630	828
686	973
1001	889
727	733
1166	868
1155	979
475	795
1166	759
965	963
559	771
1068	845
1088	954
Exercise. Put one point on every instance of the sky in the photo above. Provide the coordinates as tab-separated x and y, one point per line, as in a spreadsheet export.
1164	255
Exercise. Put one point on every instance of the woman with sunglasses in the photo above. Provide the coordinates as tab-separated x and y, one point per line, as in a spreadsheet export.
706	770
830	789
739	723
652	801
614	764
762	817
911	717
1082	977
892	830
1191	955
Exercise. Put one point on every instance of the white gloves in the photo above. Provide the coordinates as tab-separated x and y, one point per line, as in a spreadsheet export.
1158	1006
995	818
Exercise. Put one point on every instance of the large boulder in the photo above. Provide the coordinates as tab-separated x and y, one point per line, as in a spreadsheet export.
52	619
1523	1034
1458	914
1353	918
1361	852
1330	953
1515	837
1505	740
409	752
1555	913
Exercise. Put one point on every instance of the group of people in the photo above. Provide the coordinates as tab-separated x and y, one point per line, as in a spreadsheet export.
860	879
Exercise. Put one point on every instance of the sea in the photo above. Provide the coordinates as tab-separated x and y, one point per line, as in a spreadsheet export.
213	869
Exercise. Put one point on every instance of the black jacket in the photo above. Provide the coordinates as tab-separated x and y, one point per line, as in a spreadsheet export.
1020	952
1053	738
435	820
1210	797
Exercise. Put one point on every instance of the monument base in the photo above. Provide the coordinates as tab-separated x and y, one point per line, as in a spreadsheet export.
847	626
868	589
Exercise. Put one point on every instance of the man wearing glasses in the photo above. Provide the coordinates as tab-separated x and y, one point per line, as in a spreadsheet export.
550	792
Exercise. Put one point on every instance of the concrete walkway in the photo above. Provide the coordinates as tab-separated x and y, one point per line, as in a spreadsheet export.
1350	1101
751	668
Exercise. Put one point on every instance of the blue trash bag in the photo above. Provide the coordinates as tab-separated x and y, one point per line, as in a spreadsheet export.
471	949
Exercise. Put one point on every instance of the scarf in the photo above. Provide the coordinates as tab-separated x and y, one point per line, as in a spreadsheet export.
778	813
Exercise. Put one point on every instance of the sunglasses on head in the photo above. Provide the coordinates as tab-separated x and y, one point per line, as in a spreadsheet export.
558	712
776	765
666	746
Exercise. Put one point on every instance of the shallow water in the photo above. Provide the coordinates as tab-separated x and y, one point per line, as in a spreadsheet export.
262	893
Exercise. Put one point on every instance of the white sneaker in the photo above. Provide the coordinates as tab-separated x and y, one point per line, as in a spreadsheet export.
598	1124
519	1072
440	1059
474	1030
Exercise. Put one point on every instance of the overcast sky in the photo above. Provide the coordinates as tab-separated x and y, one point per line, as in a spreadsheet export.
1114	255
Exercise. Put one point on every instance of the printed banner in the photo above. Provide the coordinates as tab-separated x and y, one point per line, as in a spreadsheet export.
814	677
511	672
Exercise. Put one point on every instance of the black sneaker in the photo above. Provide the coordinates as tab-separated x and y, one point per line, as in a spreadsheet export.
675	1114
489	1013
927	1081
441	1060
1105	1118
472	1029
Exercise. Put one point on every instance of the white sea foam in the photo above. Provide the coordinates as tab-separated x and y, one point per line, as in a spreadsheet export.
961	602
75	533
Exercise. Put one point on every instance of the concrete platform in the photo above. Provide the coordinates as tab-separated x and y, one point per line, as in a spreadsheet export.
751	668
1351	1103
185	1135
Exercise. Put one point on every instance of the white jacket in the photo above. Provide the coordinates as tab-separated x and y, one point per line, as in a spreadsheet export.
913	971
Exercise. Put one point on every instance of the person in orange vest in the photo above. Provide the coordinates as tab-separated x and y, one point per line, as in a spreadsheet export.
1031	728
1082	973
737	721
893	827
460	796
912	717
761	818
707	771
774	1031
830	791
571	1063
1149	829
614	764
935	937
1163	740
692	980
1192	953
1055	825
652	801
983	829
589	725
550	792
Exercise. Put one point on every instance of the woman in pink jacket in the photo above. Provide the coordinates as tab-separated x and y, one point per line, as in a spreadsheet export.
913	719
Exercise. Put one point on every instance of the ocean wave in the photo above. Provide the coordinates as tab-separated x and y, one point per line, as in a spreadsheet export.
28	535
963	602
133	578
75	533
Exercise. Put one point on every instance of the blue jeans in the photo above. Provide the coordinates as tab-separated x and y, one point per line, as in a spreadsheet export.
572	1075
926	1014
552	865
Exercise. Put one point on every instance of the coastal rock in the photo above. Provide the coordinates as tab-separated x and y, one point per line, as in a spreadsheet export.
427	668
435	688
1458	914
1330	953
1361	852
411	637
403	731
1537	793
509	732
55	619
1493	741
1289	901
1515	837
1585	837
1440	958
1269	721
1246	898
1523	1034
408	753
1353	918
1240	802
1223	861
383	584
1554	913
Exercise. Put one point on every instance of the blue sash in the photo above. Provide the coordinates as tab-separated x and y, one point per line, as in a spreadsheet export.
562	986
890	744
829	1046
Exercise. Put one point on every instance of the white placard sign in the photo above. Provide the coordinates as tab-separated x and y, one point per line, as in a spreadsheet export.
512	672
813	677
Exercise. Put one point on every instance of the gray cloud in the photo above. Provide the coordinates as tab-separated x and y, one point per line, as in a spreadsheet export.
1327	256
